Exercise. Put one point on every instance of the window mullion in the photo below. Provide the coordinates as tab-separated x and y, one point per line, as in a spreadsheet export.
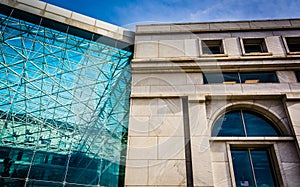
252	168
243	121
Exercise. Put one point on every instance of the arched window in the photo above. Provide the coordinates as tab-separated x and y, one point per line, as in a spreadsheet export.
243	123
252	164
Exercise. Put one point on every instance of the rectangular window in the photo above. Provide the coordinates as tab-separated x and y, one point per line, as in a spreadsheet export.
240	77
254	45
212	47
253	167
292	44
261	77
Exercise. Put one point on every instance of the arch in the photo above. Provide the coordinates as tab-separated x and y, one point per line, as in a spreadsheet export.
275	121
243	123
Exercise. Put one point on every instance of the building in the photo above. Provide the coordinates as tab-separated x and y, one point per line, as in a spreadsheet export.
211	104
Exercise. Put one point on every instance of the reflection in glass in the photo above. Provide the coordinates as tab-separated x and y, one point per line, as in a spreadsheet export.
242	168
64	102
229	124
243	123
248	162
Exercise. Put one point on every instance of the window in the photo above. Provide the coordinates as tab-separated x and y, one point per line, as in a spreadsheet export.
252	167
212	47
240	77
253	164
292	44
254	46
243	123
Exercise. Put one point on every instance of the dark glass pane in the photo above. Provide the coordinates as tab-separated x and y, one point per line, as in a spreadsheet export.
212	47
229	124
212	50
262	169
242	168
260	77
294	47
293	44
258	126
8	182
221	78
254	48
83	169
33	183
298	75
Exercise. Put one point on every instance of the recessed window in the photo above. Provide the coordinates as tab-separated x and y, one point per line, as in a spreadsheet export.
293	44
252	167
212	47
254	45
243	123
240	77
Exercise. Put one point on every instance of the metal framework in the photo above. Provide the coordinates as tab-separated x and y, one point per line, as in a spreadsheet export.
64	104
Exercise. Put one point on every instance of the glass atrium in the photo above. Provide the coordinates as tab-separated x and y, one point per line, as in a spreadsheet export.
64	104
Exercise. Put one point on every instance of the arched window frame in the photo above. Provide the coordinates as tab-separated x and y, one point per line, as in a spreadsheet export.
259	142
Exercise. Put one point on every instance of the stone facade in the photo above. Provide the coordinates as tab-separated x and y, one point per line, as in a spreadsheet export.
173	110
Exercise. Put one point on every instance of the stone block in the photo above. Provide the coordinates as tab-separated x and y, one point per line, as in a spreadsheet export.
167	172
221	174
286	76
171	148
295	87
295	23
294	111
151	52
275	45
136	172
269	24
218	152
265	88
142	148
34	3
138	126
288	152
201	159
191	48
171	48
169	126
143	107
30	9
197	119
55	17
83	18
152	28
107	26
291	173
229	26
194	78
232	47
58	10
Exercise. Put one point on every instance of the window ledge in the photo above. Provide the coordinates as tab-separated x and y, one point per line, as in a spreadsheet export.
286	138
257	54
294	53
213	55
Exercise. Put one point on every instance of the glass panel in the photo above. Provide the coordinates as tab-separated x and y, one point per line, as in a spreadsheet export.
259	77
262	169
212	47
297	75
229	124
69	95
221	78
242	168
293	44
258	126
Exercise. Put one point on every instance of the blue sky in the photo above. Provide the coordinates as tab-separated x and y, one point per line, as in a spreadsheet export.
127	13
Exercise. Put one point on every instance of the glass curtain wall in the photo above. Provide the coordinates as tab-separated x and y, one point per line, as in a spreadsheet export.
64	104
